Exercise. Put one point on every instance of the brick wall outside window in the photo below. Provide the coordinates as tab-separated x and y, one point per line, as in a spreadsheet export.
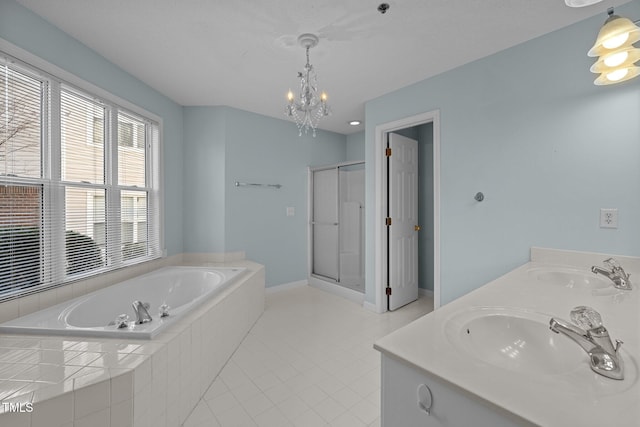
19	205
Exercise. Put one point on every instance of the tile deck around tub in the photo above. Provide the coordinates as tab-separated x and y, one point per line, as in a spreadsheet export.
33	369
49	381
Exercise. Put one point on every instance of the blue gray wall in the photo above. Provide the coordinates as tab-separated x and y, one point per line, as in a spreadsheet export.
224	145
28	31
355	146
204	179
527	127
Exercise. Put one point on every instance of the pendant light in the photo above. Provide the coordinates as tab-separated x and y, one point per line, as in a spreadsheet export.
616	52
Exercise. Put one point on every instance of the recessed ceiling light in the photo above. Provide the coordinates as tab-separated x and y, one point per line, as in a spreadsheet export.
355	122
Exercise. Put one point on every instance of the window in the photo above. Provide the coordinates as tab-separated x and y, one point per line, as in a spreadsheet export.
79	193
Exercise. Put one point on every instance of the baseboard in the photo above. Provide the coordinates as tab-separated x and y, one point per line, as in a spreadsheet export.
371	307
285	286
425	293
336	289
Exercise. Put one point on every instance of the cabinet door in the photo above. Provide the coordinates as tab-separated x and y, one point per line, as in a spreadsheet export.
449	406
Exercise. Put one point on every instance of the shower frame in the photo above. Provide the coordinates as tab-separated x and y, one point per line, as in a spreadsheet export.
319	280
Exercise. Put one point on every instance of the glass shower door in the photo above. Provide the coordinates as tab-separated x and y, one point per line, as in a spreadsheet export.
351	219
325	224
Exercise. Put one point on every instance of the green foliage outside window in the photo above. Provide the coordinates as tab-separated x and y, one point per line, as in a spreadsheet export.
20	265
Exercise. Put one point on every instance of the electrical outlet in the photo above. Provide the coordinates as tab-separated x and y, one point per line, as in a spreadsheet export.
608	218
291	211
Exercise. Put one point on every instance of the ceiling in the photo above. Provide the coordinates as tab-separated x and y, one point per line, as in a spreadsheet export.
244	54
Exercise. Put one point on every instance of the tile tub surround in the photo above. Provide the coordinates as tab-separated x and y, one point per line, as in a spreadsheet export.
539	399
121	383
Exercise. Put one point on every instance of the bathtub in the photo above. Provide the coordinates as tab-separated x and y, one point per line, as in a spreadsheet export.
94	315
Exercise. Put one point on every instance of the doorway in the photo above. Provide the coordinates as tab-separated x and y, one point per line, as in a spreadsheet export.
403	225
381	252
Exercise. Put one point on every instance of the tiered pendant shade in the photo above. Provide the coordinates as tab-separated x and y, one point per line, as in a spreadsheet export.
615	32
614	47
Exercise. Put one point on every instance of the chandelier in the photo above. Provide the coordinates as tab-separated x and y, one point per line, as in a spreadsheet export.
308	107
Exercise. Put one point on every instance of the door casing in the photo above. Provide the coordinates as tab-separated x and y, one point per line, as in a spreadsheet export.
380	203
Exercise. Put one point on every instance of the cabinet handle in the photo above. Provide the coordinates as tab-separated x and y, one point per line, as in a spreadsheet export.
425	399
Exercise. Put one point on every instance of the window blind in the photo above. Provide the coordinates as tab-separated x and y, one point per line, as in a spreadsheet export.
21	123
79	189
21	187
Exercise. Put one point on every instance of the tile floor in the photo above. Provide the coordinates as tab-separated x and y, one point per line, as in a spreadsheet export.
308	361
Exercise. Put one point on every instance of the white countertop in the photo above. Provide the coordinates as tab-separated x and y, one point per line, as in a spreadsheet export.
543	399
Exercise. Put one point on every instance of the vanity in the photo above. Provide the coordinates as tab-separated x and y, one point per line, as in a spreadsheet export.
490	358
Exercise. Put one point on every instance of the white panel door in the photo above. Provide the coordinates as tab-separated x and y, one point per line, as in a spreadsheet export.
403	210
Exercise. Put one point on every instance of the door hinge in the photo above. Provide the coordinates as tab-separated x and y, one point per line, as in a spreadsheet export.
387	152
387	221
388	291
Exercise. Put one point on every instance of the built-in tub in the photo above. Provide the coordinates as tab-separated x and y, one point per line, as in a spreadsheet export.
86	381
182	289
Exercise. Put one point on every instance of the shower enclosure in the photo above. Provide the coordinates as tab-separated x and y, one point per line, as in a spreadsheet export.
337	224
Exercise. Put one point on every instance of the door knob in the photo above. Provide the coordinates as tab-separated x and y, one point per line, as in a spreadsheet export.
416	227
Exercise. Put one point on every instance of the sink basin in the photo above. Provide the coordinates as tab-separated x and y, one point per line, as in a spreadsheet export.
520	341
570	278
514	339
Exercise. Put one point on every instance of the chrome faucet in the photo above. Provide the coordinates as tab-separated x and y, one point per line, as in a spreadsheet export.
616	273
142	312
594	339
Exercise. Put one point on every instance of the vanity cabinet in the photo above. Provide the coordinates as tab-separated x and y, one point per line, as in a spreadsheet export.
408	393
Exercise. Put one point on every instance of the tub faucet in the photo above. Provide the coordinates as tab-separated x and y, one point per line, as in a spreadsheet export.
142	312
594	339
616	273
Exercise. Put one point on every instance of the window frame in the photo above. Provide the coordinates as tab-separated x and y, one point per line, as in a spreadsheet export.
53	205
